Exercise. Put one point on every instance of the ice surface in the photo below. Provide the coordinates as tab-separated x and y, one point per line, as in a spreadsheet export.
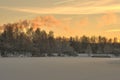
56	68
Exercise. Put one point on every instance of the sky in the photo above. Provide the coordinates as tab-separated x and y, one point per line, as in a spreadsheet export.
67	17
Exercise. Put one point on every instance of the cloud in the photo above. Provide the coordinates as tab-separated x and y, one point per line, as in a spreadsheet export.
107	19
45	21
97	2
63	2
52	23
66	9
66	25
87	3
84	22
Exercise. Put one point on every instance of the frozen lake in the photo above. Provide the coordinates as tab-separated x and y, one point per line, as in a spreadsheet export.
59	68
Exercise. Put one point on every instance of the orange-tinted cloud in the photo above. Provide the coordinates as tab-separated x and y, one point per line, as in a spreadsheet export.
52	23
110	18
107	19
83	22
66	25
46	21
37	22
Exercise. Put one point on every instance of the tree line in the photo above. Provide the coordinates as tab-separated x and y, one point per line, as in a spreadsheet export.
22	38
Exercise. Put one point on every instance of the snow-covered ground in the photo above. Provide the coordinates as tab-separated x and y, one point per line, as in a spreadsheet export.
56	68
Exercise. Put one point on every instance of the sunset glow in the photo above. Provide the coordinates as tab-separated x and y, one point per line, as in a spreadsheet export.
66	17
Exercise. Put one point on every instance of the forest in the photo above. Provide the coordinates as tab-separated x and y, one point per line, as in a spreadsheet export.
22	39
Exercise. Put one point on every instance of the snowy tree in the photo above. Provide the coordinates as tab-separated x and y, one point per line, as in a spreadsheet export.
89	50
108	49
99	50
